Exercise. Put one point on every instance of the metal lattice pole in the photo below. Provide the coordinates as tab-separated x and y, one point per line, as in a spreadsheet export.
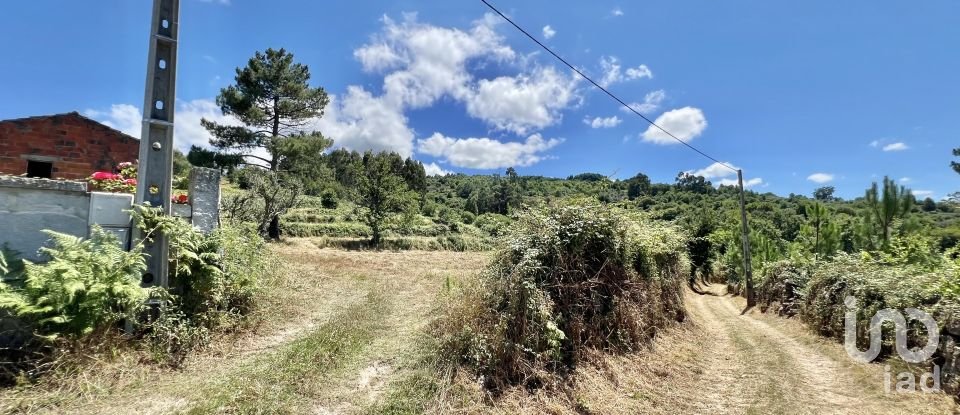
155	175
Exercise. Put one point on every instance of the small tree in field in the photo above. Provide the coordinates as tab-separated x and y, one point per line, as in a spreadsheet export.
382	193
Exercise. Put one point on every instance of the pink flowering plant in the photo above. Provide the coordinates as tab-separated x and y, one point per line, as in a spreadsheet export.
123	180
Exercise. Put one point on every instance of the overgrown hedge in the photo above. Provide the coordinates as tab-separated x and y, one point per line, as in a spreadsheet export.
566	279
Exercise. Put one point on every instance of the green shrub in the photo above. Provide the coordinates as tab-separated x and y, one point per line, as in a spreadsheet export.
88	284
328	199
492	223
779	287
567	279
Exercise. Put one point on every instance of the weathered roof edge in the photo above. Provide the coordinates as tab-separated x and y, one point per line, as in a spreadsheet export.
71	114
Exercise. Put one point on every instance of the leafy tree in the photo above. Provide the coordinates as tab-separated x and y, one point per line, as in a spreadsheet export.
696	184
588	177
382	193
274	101
929	205
638	185
824	194
279	192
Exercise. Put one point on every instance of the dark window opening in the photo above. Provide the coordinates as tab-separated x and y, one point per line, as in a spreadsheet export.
40	169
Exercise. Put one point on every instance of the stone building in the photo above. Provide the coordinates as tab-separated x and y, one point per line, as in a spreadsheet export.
62	146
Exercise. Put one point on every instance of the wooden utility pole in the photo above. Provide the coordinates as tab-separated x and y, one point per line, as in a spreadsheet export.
155	174
747	261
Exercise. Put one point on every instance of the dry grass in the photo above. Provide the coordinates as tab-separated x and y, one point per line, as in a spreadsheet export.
318	297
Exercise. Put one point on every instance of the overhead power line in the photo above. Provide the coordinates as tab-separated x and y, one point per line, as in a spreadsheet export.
584	76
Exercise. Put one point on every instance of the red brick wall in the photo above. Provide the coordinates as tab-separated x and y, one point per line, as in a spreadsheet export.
79	145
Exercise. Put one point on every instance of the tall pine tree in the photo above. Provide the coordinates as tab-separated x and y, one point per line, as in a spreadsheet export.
273	99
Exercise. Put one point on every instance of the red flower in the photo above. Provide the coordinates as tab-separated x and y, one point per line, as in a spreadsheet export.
130	182
103	175
180	199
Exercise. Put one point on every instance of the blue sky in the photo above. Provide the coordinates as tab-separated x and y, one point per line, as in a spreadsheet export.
798	94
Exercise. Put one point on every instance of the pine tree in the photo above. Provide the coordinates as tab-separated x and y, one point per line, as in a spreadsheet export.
884	208
275	102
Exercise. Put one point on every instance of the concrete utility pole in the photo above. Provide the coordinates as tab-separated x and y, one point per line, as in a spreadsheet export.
155	175
747	261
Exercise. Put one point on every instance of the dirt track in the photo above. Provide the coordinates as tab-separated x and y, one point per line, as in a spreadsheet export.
757	363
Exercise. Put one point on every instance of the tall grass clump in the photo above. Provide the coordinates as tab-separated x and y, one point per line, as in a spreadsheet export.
567	281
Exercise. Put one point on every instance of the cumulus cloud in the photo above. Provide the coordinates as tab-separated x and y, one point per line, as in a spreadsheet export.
685	123
548	32
524	102
187	130
432	169
359	121
122	117
820	177
905	180
486	153
422	63
726	176
752	182
716	170
651	102
600	122
898	146
616	12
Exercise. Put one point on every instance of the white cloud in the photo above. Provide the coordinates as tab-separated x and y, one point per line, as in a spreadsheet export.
223	2
486	153
548	32
716	170
685	123
432	169
359	121
922	194
756	181
639	72
616	12
820	178
651	102
187	130
612	71
123	117
377	57
600	122
727	176
423	63
905	180
524	102
875	143
898	146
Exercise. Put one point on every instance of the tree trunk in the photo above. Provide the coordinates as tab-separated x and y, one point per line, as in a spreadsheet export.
376	237
274	230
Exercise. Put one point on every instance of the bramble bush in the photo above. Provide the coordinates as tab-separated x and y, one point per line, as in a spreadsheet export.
566	280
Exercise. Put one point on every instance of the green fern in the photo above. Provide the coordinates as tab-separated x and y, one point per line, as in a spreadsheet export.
86	284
